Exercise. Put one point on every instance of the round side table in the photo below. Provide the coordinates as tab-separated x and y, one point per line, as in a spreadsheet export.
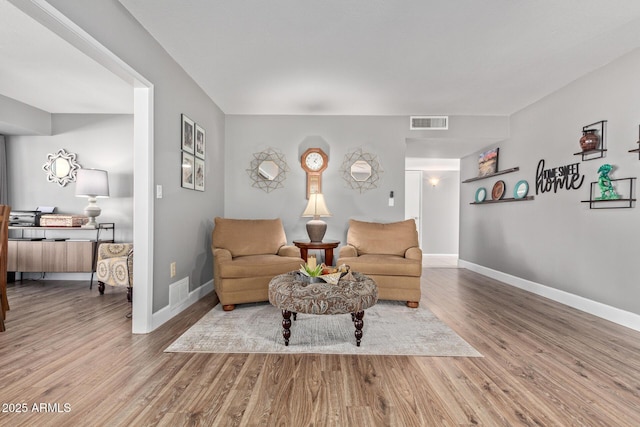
327	246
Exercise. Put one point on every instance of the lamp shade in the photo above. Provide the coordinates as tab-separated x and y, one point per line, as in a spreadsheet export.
92	183
316	206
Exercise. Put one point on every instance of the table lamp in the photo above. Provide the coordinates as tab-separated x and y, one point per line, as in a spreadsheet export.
92	183
316	208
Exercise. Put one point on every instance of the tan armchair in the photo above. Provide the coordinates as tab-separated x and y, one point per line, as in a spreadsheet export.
247	254
389	254
115	266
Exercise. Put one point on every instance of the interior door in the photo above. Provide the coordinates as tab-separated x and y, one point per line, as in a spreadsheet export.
413	199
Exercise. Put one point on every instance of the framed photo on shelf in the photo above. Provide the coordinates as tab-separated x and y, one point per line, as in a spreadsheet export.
187	179
200	141
199	174
188	133
488	162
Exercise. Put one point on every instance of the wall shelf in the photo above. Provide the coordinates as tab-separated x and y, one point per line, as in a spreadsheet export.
621	203
599	151
596	153
502	172
509	199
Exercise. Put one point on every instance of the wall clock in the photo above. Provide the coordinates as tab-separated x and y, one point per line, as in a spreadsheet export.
314	161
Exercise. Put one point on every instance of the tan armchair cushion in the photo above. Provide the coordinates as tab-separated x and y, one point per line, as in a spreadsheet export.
385	265
257	266
383	239
244	237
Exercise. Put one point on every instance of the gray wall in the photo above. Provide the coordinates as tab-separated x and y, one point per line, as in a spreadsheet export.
182	218
556	240
99	142
440	212
382	136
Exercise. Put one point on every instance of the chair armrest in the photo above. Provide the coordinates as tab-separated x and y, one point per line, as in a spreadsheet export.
289	251
113	250
414	253
348	251
221	255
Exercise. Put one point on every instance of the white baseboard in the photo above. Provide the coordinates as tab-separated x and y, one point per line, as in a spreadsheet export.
428	258
166	313
615	315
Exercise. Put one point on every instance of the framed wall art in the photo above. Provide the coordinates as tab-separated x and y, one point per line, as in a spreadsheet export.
200	142
488	162
188	132
187	179
199	174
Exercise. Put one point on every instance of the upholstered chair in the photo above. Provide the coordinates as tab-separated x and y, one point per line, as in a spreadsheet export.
115	266
247	254
389	254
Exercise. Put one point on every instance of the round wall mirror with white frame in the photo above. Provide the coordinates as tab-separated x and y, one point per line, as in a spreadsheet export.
61	167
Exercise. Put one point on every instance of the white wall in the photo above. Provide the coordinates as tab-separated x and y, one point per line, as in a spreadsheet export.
556	240
440	212
382	136
100	141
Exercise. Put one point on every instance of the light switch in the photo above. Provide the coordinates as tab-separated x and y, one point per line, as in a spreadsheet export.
159	191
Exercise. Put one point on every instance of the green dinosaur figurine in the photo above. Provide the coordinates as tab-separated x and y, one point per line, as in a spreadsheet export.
607	192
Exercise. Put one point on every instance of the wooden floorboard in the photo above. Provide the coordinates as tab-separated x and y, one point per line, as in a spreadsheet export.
69	358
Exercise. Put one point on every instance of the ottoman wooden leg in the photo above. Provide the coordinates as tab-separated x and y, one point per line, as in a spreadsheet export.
286	326
359	323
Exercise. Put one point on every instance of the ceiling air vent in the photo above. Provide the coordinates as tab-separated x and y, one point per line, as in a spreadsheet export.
429	122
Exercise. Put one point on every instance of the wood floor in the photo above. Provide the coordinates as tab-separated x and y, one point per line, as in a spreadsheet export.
544	364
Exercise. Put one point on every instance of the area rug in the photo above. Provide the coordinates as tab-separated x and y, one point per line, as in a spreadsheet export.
390	328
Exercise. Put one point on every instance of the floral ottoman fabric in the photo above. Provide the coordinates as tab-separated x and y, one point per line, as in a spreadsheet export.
289	293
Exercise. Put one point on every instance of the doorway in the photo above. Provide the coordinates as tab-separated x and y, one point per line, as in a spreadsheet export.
434	186
63	27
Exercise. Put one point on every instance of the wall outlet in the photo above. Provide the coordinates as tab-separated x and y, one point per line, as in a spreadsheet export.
173	269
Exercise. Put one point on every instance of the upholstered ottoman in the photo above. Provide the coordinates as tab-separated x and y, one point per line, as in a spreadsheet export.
353	294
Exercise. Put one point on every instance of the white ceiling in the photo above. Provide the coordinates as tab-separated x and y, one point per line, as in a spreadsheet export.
385	57
355	57
40	69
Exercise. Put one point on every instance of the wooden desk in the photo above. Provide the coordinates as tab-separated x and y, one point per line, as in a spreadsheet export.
327	246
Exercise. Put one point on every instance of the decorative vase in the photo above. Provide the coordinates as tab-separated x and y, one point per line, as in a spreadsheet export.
589	140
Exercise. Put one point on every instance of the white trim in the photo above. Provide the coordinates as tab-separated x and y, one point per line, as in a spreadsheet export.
165	314
616	315
427	257
143	210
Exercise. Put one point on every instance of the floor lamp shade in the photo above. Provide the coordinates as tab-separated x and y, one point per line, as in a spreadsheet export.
92	183
316	208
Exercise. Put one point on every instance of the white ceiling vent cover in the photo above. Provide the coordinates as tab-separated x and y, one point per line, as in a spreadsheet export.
429	122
